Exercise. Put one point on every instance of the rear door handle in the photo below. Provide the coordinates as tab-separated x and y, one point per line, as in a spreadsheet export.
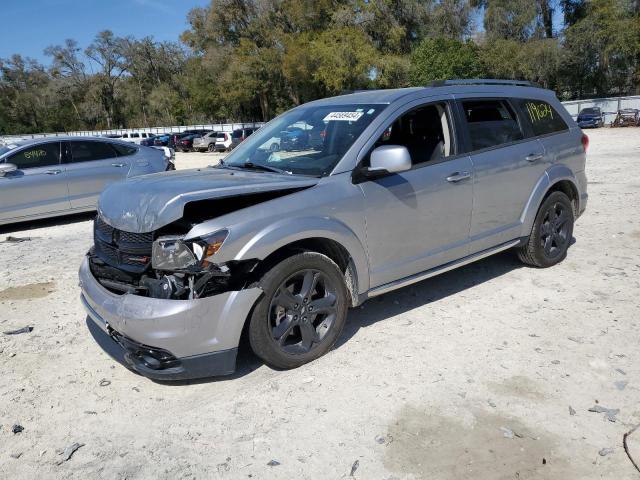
533	157
53	172
118	165
458	177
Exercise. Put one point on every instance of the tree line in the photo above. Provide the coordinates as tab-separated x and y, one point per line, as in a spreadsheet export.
243	60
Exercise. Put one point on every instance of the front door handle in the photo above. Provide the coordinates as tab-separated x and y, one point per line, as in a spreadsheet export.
533	157
458	177
119	165
53	172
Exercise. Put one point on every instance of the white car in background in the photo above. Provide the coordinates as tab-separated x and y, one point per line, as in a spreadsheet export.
223	141
135	137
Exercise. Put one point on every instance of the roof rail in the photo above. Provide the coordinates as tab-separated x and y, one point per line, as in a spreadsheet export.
483	81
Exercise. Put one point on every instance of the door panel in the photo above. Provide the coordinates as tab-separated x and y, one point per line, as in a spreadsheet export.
504	179
90	170
417	220
506	165
38	187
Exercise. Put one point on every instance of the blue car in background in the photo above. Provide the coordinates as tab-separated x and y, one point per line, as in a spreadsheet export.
294	139
590	118
161	140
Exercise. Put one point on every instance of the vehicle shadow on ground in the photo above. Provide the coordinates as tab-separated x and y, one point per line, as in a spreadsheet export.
389	305
46	222
422	293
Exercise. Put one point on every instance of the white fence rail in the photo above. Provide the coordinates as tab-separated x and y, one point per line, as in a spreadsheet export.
216	127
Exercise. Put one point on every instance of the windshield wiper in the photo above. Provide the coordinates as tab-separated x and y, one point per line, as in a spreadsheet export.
266	168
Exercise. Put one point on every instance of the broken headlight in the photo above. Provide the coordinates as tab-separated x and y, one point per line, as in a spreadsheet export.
174	253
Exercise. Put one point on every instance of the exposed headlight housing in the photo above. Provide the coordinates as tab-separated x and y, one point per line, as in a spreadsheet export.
174	253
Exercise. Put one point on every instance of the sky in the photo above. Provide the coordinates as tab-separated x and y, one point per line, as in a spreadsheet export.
30	26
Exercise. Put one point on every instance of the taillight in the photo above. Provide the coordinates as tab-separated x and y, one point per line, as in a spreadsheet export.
585	142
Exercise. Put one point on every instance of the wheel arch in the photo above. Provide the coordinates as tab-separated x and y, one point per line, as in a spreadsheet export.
558	178
322	235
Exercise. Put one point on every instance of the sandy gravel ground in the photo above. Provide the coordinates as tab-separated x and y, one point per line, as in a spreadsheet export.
474	374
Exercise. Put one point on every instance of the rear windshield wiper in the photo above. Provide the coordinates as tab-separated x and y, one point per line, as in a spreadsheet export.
266	168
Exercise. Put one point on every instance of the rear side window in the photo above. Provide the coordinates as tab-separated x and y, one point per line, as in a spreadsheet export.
491	123
236	134
90	151
42	155
544	119
124	150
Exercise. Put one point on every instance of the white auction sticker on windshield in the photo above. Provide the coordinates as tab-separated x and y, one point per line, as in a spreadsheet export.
343	116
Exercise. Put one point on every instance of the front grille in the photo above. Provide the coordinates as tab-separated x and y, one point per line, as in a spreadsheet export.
103	228
128	251
128	237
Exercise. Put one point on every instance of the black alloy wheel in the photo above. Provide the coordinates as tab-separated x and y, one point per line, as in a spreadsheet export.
551	234
554	230
302	310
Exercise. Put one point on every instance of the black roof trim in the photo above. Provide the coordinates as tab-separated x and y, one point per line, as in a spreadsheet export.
483	81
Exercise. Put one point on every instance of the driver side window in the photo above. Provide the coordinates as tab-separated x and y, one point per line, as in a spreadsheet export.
41	155
425	131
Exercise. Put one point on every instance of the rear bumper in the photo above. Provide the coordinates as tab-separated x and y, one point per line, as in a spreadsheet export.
191	332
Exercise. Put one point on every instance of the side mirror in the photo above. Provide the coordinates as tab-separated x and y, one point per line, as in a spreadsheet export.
7	168
389	159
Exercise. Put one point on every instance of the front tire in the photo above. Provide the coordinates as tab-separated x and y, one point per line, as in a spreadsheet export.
551	234
301	313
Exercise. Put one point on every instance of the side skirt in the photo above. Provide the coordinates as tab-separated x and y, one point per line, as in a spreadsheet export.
418	277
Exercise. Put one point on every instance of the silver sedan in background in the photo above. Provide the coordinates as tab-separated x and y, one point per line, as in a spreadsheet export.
53	176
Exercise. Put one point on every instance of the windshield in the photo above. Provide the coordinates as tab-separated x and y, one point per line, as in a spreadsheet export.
306	141
591	111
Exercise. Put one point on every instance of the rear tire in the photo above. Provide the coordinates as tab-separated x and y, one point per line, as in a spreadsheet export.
211	148
551	234
301	312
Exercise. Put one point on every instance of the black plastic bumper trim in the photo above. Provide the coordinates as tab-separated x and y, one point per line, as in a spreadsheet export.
198	366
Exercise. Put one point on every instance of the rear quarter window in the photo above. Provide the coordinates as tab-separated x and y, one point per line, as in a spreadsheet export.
542	117
124	150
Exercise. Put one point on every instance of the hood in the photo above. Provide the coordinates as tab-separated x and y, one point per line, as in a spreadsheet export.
146	203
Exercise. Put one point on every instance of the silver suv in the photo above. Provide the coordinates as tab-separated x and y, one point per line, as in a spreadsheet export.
397	186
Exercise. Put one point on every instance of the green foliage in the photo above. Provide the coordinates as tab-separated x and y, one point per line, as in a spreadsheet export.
253	59
441	58
510	19
537	60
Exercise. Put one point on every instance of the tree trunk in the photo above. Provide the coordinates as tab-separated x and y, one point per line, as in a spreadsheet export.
264	106
547	18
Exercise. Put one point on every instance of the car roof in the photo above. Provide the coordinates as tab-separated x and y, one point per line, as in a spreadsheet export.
491	87
61	138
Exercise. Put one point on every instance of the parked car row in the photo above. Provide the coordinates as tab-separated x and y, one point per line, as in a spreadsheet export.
201	140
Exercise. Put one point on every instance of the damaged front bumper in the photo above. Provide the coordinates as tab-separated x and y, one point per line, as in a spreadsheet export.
167	339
